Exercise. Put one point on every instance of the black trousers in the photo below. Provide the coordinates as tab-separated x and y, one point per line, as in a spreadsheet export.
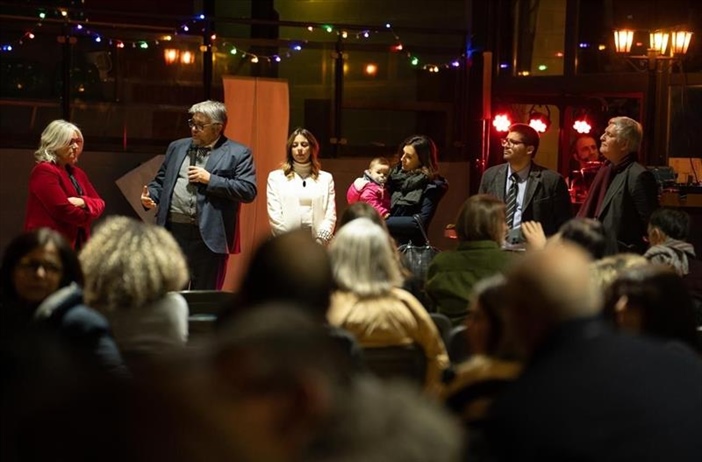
207	269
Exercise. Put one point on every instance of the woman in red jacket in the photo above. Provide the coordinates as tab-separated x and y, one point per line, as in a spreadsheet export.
60	195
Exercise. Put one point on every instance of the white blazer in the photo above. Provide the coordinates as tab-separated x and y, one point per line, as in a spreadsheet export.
282	196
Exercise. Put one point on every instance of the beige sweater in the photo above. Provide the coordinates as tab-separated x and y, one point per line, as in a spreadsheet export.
397	318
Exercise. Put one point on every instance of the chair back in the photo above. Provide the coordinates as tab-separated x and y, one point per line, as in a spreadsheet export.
401	361
443	323
204	306
458	344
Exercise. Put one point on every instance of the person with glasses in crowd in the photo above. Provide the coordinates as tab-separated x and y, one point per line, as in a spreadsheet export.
199	190
530	192
60	195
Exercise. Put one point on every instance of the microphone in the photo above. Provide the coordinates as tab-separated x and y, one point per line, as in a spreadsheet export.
192	154
304	183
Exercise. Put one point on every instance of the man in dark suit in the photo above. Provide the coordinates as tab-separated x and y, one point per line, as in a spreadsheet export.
199	189
541	194
624	193
588	393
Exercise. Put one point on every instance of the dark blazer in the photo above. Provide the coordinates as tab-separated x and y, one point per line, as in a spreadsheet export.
232	181
590	394
546	199
626	208
48	206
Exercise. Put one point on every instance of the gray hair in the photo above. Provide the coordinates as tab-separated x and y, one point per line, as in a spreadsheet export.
628	130
363	259
129	264
58	134
216	111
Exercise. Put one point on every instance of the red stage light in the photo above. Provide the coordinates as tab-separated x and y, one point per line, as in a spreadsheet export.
582	126
501	122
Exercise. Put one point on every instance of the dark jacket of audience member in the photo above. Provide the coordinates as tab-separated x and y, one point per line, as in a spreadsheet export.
588	393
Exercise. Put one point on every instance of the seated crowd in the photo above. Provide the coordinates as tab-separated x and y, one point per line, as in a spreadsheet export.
566	353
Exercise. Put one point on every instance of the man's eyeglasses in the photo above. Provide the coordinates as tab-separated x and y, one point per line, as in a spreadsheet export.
511	143
199	127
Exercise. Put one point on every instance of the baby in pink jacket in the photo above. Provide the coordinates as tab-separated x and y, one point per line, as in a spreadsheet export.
371	187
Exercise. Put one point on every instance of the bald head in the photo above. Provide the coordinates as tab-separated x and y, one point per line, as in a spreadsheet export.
548	287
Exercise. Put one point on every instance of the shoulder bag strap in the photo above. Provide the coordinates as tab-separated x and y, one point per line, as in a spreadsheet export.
418	219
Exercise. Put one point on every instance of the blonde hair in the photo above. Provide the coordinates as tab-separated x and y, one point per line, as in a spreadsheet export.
363	261
606	270
58	134
129	264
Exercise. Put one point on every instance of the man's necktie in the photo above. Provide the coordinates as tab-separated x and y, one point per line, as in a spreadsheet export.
511	200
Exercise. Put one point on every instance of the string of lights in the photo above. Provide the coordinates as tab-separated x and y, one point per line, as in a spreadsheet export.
197	26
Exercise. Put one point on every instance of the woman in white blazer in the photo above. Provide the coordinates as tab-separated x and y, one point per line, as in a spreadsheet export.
299	194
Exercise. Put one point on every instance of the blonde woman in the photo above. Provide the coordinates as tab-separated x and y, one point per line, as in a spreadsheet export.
133	270
299	194
60	195
369	302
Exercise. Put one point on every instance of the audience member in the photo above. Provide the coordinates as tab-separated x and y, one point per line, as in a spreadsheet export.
199	190
371	187
133	271
653	300
303	277
300	193
369	302
492	362
586	232
415	188
606	270
530	191
60	195
481	230
40	296
624	193
588	393
283	396
668	231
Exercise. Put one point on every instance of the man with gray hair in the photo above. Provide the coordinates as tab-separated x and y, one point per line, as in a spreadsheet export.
624	193
199	190
588	393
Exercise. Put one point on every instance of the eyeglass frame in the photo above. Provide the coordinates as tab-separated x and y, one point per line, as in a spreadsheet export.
32	266
512	143
200	127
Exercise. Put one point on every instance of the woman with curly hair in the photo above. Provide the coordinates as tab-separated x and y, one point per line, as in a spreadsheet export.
132	272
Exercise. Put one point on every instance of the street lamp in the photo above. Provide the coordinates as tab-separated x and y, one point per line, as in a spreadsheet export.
679	40
666	47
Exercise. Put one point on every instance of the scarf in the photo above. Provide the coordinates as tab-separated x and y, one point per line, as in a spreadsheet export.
673	253
407	187
304	170
600	184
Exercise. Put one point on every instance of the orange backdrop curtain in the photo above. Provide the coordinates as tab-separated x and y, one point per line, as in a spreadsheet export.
259	113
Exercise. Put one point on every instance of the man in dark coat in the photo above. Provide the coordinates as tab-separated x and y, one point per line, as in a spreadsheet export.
588	393
624	193
541	194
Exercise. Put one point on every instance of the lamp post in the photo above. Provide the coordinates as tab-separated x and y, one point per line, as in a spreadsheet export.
658	61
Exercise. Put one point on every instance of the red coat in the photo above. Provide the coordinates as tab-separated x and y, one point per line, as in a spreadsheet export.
48	206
